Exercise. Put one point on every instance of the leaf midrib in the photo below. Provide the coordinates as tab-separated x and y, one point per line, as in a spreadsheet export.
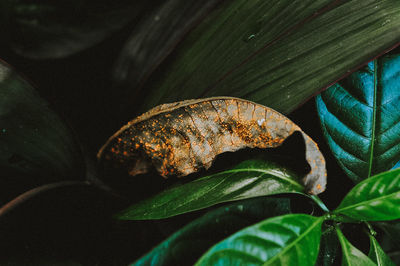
288	247
268	172
372	142
366	202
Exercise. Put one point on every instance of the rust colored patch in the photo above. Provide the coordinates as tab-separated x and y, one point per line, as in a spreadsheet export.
181	138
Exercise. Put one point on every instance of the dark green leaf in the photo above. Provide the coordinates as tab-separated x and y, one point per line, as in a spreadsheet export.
187	245
374	199
329	247
155	37
252	178
351	255
54	29
377	255
277	53
35	145
360	117
291	239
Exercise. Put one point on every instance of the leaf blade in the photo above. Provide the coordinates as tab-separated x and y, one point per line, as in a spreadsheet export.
377	255
373	199
204	61
359	118
214	189
286	240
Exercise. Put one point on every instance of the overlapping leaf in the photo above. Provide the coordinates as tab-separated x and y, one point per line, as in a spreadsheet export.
252	178
374	199
291	239
360	117
187	245
377	255
54	29
277	53
35	145
351	256
155	37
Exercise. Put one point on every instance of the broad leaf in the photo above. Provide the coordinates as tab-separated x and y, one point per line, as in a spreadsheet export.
35	145
351	255
54	29
360	117
374	199
291	239
154	38
252	178
277	53
187	245
377	255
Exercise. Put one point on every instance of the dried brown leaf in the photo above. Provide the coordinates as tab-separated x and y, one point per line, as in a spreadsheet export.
183	137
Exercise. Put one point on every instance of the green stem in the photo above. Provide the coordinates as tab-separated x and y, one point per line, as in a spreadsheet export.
319	203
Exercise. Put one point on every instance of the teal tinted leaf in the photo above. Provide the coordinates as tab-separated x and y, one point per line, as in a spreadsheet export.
374	199
35	145
351	255
277	53
187	245
291	239
360	117
377	255
252	178
154	38
54	29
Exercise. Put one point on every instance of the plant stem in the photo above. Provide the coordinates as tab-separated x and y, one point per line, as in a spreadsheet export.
319	203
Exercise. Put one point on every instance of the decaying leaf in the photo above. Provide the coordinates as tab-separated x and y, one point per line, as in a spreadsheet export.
184	137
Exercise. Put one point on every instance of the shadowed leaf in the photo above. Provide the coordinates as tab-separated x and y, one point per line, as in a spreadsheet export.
377	255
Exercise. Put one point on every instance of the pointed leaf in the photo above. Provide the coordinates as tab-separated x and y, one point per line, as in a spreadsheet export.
291	239
252	178
54	29
35	145
154	38
374	199
277	53
377	255
360	117
351	255
187	245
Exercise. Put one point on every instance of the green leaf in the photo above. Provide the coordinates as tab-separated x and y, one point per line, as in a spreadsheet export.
155	37
251	178
329	247
277	53
291	239
187	245
360	117
374	199
36	147
377	255
351	255
55	29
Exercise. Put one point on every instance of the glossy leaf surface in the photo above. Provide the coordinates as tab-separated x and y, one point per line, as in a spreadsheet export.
55	29
187	245
291	239
154	38
252	178
351	256
377	255
360	117
35	145
277	53
374	199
